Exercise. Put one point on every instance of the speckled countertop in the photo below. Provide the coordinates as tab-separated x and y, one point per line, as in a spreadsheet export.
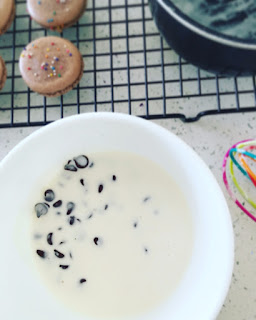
210	138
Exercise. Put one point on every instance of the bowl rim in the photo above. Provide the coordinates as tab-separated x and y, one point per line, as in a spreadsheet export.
154	128
204	31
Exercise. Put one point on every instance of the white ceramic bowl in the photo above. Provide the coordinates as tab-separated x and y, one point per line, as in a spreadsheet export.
205	284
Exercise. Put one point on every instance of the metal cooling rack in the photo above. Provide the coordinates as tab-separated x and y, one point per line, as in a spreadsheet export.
128	68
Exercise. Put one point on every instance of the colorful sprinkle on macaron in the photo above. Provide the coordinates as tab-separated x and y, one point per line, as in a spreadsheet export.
56	18
63	68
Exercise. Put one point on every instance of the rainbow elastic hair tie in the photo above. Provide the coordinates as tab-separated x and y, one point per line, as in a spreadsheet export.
242	149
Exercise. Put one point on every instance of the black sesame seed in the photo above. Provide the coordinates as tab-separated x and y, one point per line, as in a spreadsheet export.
59	254
135	224
114	178
57	204
97	241
100	188
82	182
49	238
146	199
91	165
70	167
71	220
62	242
78	220
41	253
82	280
146	250
81	161
90	216
106	207
41	209
70	207
64	267
60	228
49	195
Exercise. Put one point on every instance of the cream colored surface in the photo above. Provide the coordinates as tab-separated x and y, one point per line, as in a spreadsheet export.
210	138
131	269
6	12
47	53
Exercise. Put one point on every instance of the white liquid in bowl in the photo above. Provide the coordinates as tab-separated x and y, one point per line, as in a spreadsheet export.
124	247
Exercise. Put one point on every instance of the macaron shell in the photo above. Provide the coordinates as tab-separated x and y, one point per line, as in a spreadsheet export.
51	65
3	73
54	14
7	13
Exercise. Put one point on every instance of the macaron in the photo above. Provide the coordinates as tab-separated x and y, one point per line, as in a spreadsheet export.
7	14
3	73
51	66
56	14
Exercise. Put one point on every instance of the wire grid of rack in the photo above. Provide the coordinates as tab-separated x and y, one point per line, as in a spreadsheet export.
128	68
